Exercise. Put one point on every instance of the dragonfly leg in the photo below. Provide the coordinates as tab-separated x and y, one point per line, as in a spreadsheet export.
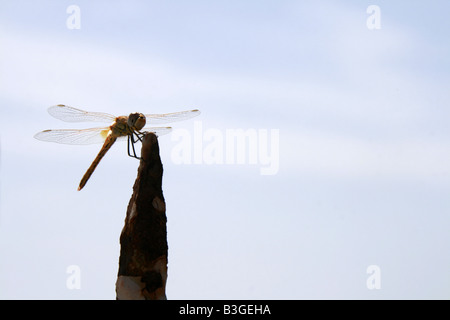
133	138
128	146
139	135
132	142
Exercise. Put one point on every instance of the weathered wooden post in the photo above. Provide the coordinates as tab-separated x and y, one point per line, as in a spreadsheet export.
143	241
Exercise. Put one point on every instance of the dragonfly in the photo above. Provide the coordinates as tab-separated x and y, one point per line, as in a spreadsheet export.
130	127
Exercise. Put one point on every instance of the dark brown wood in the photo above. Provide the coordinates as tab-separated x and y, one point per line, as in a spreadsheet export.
143	241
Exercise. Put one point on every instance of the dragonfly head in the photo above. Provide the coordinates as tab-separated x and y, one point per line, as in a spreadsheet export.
136	120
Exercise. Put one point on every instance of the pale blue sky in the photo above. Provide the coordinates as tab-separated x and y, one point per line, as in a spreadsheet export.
364	154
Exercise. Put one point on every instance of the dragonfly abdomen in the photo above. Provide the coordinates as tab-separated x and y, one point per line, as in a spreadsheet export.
106	146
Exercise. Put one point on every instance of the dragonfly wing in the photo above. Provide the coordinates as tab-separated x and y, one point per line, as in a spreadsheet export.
159	131
69	136
171	117
70	114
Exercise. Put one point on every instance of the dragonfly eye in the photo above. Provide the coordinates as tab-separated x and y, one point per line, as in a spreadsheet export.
136	120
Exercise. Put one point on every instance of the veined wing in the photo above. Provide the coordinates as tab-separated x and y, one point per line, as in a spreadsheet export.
70	114
171	117
73	136
88	136
159	131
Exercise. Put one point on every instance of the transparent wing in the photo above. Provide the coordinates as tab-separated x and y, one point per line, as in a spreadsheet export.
171	117
159	131
70	114
72	136
88	136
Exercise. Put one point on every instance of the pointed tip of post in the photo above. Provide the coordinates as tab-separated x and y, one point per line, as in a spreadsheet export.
149	146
